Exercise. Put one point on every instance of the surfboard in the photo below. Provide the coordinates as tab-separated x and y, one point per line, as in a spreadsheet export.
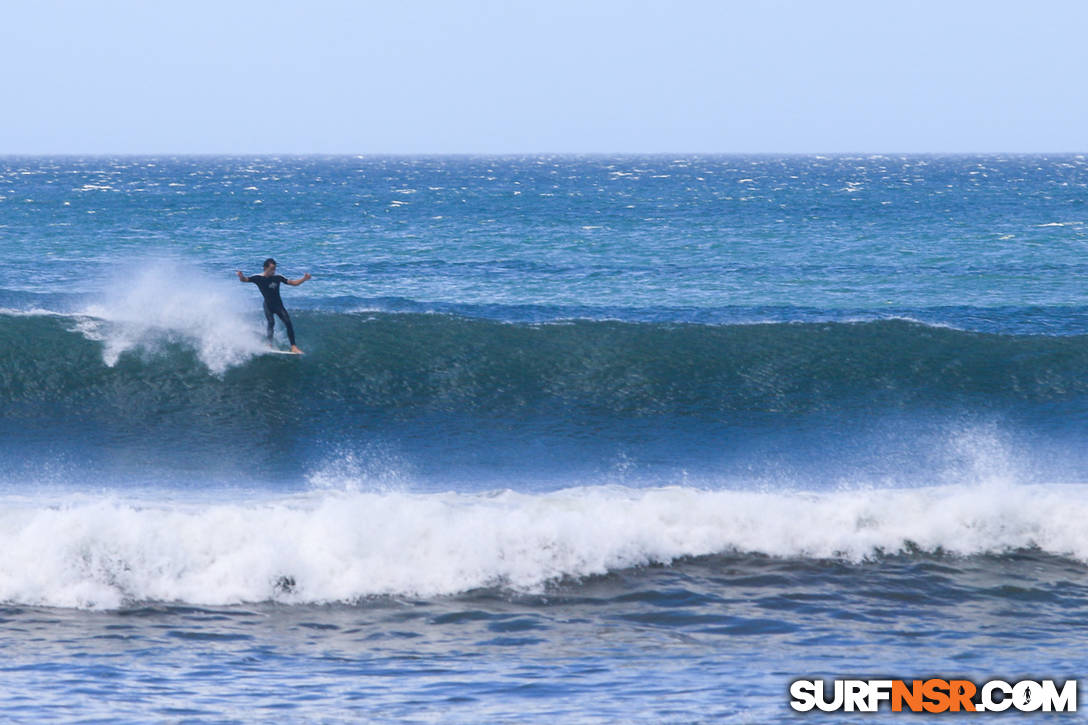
281	352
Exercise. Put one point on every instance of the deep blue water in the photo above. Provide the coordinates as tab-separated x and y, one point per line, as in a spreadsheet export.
576	438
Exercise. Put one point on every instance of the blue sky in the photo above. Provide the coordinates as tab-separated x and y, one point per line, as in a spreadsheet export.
250	76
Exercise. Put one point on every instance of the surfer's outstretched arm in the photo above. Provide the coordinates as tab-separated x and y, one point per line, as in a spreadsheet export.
241	277
297	282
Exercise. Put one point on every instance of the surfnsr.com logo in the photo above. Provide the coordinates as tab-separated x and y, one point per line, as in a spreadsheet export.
933	695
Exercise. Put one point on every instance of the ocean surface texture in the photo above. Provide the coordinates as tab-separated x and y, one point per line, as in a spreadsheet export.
575	439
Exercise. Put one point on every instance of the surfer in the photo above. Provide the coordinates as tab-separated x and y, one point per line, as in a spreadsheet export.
269	284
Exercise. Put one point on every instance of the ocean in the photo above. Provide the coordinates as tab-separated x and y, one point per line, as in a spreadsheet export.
574	438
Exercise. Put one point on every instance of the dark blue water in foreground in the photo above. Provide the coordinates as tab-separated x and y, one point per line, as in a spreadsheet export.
580	439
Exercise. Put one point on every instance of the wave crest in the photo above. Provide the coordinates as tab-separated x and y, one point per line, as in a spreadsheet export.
345	547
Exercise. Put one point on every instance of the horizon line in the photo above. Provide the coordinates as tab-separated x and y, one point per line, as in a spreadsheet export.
510	154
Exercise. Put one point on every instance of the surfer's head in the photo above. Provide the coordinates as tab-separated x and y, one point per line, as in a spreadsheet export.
270	264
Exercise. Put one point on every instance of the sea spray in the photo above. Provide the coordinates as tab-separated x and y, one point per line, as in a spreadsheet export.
169	302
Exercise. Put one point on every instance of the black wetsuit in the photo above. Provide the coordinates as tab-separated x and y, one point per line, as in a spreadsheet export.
273	305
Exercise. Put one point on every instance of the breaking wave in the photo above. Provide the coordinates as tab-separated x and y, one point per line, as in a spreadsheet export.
347	546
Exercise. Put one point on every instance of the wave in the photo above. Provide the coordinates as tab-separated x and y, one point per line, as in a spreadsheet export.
344	547
392	362
158	383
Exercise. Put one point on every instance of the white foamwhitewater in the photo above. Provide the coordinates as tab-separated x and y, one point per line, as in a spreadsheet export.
345	546
168	302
